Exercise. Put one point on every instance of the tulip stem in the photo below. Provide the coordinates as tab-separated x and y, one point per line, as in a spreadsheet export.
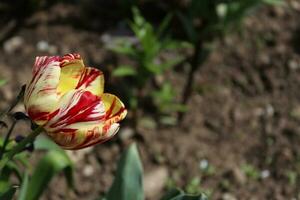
19	147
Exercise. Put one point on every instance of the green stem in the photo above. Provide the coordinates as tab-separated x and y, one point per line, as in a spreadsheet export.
14	103
20	147
7	138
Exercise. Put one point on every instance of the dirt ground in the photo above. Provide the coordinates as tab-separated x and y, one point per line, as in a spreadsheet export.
240	138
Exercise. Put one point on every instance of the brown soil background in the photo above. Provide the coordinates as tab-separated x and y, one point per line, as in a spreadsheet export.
245	108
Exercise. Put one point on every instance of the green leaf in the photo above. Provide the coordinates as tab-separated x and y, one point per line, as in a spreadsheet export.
51	164
9	194
24	187
124	70
176	194
128	183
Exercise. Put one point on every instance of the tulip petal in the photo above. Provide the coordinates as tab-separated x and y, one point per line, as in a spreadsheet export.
92	80
71	69
79	120
114	109
40	96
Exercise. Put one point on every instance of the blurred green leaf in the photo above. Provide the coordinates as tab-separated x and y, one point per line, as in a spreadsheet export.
122	46
9	169
171	63
176	194
128	183
4	181
124	70
52	163
45	143
9	194
2	82
274	2
163	26
24	187
188	27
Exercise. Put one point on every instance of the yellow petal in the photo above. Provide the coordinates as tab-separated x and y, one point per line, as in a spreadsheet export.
92	80
40	96
114	109
72	68
85	134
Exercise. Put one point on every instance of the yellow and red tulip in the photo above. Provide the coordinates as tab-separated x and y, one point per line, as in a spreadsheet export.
67	99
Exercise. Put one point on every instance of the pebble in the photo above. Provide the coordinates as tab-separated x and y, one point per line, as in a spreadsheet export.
154	182
203	164
13	44
239	176
88	170
126	133
293	65
265	174
295	112
42	45
228	196
270	110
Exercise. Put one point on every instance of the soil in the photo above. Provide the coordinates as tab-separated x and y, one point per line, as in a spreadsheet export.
240	137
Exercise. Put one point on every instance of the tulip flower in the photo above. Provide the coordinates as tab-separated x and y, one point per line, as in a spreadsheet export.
67	100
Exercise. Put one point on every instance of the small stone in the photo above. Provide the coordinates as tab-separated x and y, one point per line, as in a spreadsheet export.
13	44
265	174
154	182
203	164
228	196
126	133
239	176
295	113
42	45
293	65
265	59
88	170
270	110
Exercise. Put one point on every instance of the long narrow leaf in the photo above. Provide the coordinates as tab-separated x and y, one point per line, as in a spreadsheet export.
24	187
47	168
128	183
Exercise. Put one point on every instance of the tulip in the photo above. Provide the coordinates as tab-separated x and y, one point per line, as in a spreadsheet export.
67	100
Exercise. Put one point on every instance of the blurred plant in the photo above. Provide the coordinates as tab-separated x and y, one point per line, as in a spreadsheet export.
146	54
2	82
204	21
193	186
250	171
292	177
128	183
